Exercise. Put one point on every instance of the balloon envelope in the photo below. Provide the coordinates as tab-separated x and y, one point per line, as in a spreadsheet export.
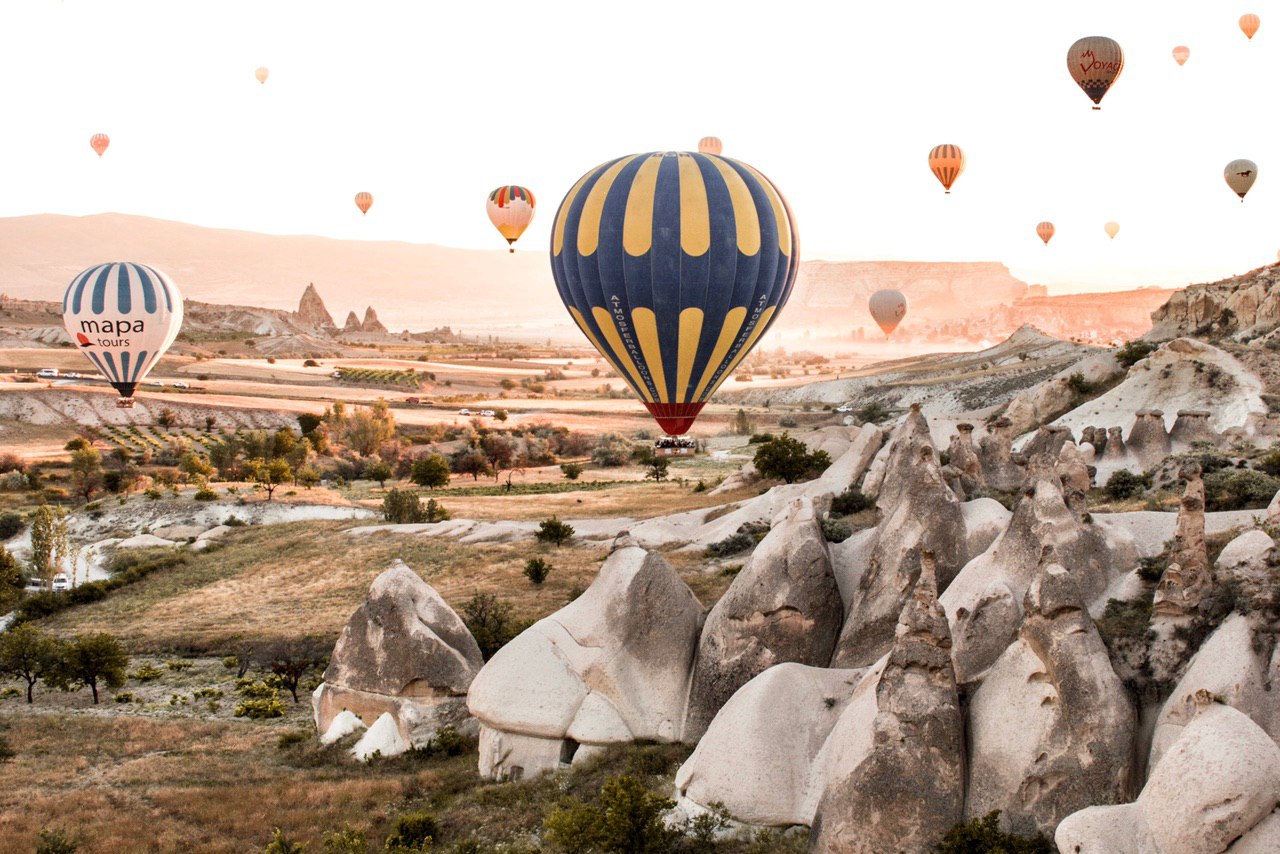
99	142
673	265
364	201
123	316
1112	229
947	162
887	309
262	74
1180	54
510	209
1249	25
1095	62
710	145
1045	231
1240	175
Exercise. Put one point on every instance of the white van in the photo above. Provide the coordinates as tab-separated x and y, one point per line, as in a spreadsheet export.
61	582
47	373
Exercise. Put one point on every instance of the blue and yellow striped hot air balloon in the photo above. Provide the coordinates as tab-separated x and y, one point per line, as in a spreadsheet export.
674	264
123	317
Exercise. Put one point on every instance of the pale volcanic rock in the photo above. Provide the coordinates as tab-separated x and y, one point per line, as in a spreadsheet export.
371	324
381	739
1051	727
1148	442
1047	400
905	790
995	452
1247	304
1193	425
352	323
612	665
311	311
783	606
895	457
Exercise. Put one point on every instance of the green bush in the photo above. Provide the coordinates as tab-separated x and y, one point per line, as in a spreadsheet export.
1125	484
256	689
626	817
123	697
489	620
179	665
204	493
1133	352
54	841
1270	463
349	840
835	530
431	471
536	570
1151	569
6	752
147	672
571	471
153	494
788	459
873	412
731	545
554	531
849	502
11	525
1239	489
281	844
258	709
757	438
787	421
984	836
292	737
412	831
449	742
402	507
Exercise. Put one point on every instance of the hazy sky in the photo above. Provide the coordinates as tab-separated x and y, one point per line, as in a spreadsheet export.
430	105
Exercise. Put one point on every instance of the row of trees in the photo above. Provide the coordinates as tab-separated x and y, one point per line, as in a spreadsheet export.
89	661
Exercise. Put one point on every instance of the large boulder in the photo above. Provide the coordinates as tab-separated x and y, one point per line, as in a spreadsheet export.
919	513
404	653
611	666
1148	442
900	785
1192	426
783	606
1051	728
758	756
1216	783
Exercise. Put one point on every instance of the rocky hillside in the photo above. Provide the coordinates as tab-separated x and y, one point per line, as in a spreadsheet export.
1243	307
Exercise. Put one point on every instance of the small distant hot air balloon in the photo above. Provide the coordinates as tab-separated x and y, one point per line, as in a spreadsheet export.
947	162
1240	175
1180	54
510	209
1095	62
99	142
123	317
674	264
1045	232
710	145
1249	25
1112	229
364	201
262	74
888	307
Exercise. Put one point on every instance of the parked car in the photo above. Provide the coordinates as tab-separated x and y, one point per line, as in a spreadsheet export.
61	582
181	384
337	375
464	411
47	373
844	407
487	413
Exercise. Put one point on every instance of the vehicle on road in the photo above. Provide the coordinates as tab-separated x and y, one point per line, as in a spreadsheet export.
61	582
487	413
181	384
464	411
47	373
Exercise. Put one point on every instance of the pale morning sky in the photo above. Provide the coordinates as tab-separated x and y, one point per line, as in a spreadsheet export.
430	105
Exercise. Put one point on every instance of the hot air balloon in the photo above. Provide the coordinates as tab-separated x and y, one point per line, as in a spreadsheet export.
947	162
364	201
710	145
261	74
1240	175
1045	231
99	142
510	209
123	316
673	264
1095	62
1112	229
1180	54
887	309
1249	25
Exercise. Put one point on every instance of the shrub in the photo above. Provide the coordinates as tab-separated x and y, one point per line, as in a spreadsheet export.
731	545
402	507
55	841
787	459
123	697
757	438
1133	352
292	737
148	672
179	665
536	570
413	831
1151	569
154	494
489	620
281	844
431	471
1079	385
849	502
554	531
836	531
6	752
1269	464
571	471
204	493
449	742
984	835
260	708
349	840
79	443
310	363
787	421
625	817
611	451
11	525
1125	484
873	412
1239	489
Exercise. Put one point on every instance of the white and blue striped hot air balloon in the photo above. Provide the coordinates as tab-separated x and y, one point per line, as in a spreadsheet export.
123	316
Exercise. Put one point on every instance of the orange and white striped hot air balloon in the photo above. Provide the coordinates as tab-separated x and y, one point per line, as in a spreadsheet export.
510	209
99	142
1112	229
1181	53
947	162
1095	62
1249	25
1045	231
710	145
364	201
262	74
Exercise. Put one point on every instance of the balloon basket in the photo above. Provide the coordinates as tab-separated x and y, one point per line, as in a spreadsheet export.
675	446
124	403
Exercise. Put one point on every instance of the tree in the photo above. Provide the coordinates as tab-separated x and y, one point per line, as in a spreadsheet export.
788	459
626	818
611	450
196	466
536	570
379	470
308	422
656	468
92	659
742	423
402	507
10	580
571	471
290	660
430	471
501	450
554	531
488	618
28	654
86	471
166	418
269	474
50	541
472	461
308	476
365	430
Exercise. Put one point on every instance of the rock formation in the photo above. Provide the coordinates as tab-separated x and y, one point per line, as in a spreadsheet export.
1047	444
1243	304
1193	425
995	452
311	311
1218	783
1051	727
902	786
371	324
352	324
1074	474
782	607
611	666
964	457
1185	582
1148	443
404	653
